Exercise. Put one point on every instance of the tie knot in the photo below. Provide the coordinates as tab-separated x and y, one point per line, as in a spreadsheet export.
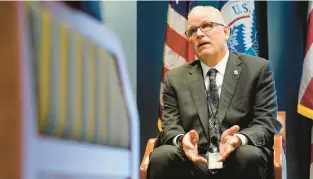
212	74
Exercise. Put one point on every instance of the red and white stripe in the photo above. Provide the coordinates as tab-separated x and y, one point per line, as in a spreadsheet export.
177	49
306	87
305	100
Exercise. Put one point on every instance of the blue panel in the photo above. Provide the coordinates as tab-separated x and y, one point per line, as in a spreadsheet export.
183	7
286	38
92	8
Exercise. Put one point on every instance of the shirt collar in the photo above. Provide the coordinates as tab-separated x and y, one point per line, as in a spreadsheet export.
220	66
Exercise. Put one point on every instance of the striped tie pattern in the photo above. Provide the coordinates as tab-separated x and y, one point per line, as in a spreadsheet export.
212	100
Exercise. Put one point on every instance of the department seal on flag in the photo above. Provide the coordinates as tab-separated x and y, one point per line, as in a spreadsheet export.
240	17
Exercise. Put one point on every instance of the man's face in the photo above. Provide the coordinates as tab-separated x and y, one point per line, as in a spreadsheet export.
208	43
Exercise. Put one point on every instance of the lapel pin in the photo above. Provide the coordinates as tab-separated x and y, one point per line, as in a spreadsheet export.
236	72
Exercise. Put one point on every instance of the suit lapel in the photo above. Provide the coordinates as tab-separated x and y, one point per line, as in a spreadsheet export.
196	85
230	81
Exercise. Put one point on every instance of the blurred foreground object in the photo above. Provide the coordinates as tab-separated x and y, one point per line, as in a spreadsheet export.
66	105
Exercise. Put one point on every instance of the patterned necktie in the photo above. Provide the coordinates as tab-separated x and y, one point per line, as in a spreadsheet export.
212	100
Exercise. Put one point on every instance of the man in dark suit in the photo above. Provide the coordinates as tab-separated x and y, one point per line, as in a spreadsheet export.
219	112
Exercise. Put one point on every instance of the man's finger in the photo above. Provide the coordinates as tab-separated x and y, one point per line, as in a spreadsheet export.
231	131
222	148
198	159
234	129
190	140
225	154
188	145
224	138
194	137
232	141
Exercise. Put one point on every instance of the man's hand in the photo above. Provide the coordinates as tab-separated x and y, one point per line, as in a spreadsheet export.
229	142
190	147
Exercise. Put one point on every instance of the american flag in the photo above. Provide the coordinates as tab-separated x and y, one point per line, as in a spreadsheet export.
177	49
305	101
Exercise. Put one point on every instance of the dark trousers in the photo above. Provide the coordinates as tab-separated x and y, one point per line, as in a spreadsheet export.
246	162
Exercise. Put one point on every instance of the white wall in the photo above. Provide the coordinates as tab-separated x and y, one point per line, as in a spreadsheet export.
121	17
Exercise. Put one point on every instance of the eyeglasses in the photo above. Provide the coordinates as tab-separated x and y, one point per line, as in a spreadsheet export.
204	27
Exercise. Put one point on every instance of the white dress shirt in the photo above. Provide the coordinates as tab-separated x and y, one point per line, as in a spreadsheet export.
221	68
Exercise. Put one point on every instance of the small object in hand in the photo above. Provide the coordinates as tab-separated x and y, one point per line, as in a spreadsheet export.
212	161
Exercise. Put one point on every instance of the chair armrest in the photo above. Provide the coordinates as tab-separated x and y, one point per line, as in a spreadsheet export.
278	152
145	160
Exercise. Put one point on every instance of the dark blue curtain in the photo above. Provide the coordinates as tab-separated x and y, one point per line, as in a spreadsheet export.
286	22
151	24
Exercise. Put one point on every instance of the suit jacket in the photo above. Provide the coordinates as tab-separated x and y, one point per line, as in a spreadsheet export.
248	99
